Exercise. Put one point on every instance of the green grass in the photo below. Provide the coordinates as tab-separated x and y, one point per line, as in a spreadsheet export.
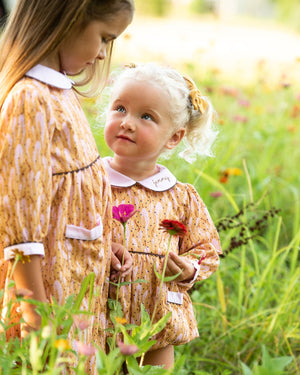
253	299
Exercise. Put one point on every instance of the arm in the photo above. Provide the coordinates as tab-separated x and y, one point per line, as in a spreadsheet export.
25	190
28	275
199	250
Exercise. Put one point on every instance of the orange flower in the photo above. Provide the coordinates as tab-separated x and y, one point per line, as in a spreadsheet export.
62	345
173	227
121	320
229	172
21	256
234	171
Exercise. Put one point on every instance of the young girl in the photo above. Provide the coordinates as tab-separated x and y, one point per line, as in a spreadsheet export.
151	110
55	200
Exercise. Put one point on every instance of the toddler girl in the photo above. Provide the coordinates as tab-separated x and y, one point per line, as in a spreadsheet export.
152	109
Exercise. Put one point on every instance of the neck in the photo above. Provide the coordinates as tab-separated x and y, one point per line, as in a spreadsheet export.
137	170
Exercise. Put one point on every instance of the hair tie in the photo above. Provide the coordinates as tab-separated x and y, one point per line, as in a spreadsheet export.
130	65
198	101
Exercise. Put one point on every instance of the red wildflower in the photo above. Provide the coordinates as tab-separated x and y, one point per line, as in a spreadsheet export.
123	212
173	227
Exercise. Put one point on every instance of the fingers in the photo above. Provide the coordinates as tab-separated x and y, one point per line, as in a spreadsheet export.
121	260
176	263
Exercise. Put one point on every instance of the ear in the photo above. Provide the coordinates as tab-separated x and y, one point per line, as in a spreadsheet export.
175	139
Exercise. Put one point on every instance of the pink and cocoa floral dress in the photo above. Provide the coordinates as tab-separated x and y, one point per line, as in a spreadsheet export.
55	196
157	198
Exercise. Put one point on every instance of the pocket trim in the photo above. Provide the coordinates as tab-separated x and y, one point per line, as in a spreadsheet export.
175	297
79	233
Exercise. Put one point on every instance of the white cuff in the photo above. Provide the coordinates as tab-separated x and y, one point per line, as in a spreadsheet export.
29	248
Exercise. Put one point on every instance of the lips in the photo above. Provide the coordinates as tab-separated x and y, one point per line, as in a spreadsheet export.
125	138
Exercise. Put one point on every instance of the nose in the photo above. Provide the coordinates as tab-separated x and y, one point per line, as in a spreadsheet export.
102	53
128	124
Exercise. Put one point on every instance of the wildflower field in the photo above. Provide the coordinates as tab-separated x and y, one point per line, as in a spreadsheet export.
248	311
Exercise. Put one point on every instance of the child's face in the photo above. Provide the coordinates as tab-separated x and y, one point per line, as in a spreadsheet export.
138	126
84	46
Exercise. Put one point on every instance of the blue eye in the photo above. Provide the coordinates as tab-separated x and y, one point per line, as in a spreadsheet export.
147	117
120	108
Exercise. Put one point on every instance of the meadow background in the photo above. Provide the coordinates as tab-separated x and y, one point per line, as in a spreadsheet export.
245	56
249	66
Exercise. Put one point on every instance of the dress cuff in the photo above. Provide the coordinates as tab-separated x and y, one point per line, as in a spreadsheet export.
29	248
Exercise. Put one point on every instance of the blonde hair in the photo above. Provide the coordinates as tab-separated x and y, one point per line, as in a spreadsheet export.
188	108
36	28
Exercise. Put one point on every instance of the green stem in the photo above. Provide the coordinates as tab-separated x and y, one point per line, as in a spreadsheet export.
123	256
160	291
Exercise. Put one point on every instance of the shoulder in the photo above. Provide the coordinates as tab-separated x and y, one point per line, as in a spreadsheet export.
186	188
27	90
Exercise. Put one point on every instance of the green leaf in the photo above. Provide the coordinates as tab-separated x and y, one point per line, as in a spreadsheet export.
108	364
134	369
246	370
88	282
158	326
166	278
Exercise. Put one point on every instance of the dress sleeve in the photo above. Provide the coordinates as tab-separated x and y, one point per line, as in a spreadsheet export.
201	244
25	174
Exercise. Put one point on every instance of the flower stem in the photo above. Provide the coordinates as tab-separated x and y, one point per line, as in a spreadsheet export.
119	280
160	291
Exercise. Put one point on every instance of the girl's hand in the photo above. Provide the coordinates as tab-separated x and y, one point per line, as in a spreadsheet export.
177	263
117	269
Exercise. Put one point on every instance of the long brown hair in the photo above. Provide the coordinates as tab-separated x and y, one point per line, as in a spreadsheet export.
36	28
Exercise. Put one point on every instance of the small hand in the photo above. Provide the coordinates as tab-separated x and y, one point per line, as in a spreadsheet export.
177	263
117	269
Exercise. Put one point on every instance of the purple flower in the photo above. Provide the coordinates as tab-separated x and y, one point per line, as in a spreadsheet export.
123	212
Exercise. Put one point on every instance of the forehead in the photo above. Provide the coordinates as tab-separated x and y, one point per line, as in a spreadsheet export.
142	90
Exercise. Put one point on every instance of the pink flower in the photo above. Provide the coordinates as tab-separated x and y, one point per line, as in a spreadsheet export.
127	349
123	212
244	102
239	118
85	349
216	194
80	323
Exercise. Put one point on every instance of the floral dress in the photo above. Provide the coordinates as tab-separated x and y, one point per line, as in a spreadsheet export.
157	198
55	197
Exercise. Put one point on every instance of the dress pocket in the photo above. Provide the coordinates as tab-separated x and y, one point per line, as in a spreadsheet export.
175	297
80	233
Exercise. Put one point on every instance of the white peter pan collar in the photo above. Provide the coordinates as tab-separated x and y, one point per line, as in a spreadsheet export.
161	181
50	77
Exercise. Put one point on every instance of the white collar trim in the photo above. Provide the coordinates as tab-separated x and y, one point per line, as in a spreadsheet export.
50	77
161	181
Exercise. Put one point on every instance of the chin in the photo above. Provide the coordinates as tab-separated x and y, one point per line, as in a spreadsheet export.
77	72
